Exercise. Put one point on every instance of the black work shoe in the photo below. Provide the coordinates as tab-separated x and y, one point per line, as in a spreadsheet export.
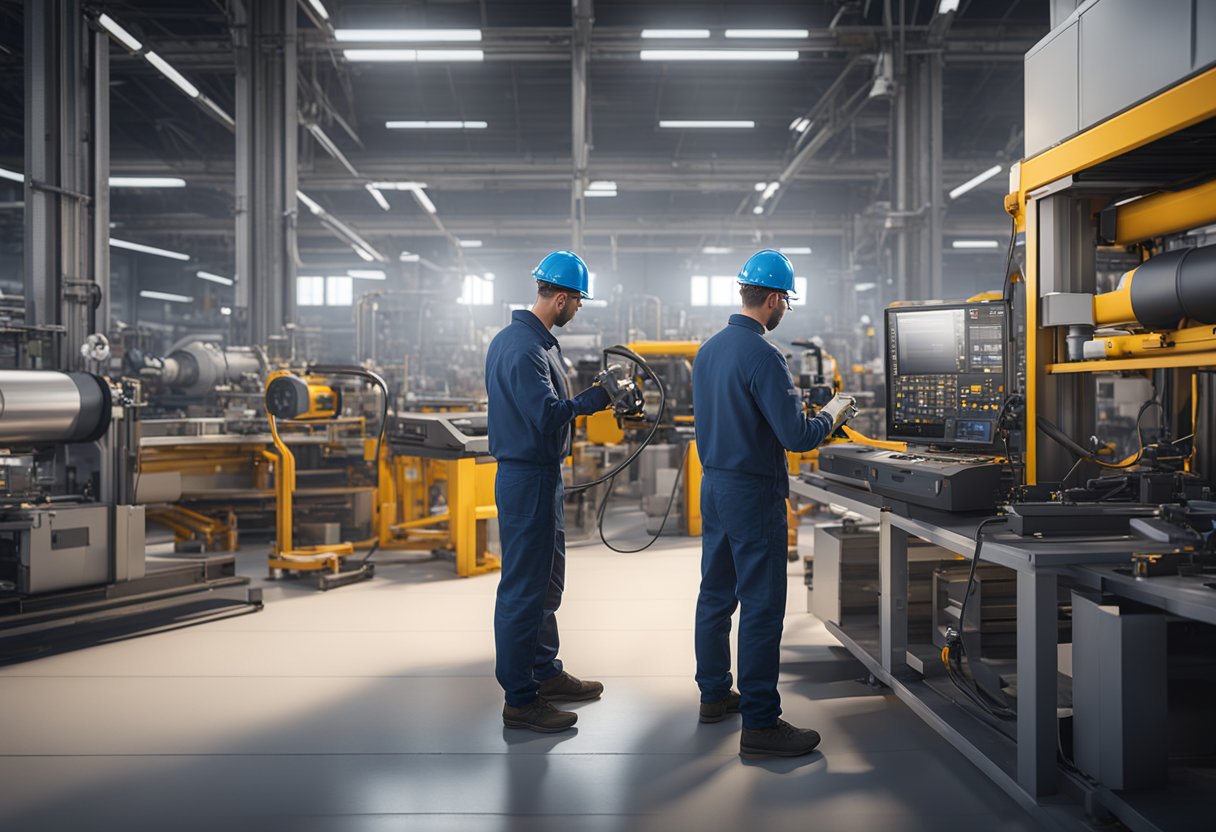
782	740
538	715
717	711
566	688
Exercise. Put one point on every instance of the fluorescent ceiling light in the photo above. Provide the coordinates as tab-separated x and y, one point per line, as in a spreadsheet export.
865	287
120	34
470	243
312	204
975	181
800	125
146	182
599	193
436	125
759	209
795	250
363	253
172	74
159	252
438	55
602	185
169	296
770	190
768	33
215	278
681	125
366	274
650	34
413	55
409	257
424	200
320	9
408	35
12	175
976	244
947	6
719	55
378	196
225	310
717	250
405	55
760	186
398	186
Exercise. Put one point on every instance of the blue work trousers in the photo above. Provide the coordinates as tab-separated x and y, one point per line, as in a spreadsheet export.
531	526
743	562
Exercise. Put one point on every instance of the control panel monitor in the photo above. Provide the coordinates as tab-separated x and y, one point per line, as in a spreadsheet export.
946	373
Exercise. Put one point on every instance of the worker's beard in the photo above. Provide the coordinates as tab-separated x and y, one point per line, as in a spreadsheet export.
775	318
566	314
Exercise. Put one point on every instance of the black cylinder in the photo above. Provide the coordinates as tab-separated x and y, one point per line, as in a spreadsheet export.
95	407
1176	285
1204	440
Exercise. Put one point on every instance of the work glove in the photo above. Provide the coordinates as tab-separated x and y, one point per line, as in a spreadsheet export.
840	409
591	400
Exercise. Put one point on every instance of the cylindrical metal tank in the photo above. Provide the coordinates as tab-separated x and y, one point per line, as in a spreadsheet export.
198	367
46	406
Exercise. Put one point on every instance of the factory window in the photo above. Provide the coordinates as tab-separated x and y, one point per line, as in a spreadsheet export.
339	291
476	291
800	291
699	284
723	290
310	291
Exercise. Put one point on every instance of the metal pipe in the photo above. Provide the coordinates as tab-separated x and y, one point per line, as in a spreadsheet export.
47	406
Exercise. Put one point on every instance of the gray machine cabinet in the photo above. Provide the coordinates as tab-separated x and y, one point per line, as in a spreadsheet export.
65	548
1120	715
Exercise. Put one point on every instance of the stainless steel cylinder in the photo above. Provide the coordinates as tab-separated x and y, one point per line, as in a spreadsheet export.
46	406
198	367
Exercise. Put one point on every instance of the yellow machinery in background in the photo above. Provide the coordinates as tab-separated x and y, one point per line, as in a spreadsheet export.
311	398
1160	318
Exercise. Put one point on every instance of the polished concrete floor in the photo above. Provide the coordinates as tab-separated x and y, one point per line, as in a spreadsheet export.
374	707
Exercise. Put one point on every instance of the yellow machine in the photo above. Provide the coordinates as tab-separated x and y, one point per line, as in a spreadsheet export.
308	399
1161	316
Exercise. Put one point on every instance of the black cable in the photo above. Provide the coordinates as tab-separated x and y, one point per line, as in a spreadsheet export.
1007	288
954	656
675	488
574	488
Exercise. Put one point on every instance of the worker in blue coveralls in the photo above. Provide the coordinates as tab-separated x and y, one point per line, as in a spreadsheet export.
747	414
530	420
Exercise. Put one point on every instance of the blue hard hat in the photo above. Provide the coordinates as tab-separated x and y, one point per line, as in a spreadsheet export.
565	269
770	269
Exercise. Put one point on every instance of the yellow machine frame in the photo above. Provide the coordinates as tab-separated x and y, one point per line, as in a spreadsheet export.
1175	109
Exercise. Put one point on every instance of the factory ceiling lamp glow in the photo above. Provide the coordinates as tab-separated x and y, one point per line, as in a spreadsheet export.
319	8
436	125
707	124
976	244
800	125
378	196
398	186
719	54
975	181
768	33
470	243
120	34
167	296
424	200
216	278
310	203
366	274
947	6
172	74
795	250
146	182
717	250
413	55
140	247
12	175
600	188
408	35
672	34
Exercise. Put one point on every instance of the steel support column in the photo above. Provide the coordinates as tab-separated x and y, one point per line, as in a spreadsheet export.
267	136
59	183
580	149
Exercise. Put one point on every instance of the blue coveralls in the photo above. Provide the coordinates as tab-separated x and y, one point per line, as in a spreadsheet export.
529	416
747	413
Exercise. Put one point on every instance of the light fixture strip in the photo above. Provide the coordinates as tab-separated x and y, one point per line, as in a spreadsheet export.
719	54
319	8
975	181
166	296
215	278
414	55
674	34
119	33
976	244
12	175
788	34
146	182
172	74
436	125
140	247
408	35
677	124
378	195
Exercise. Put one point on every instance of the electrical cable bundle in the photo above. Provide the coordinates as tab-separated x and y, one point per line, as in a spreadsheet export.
955	651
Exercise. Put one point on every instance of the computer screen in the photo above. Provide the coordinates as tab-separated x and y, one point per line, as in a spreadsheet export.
946	372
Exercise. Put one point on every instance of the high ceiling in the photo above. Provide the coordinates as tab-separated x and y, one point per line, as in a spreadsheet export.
510	183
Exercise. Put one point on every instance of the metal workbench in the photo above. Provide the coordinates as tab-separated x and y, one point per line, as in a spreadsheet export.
1025	768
